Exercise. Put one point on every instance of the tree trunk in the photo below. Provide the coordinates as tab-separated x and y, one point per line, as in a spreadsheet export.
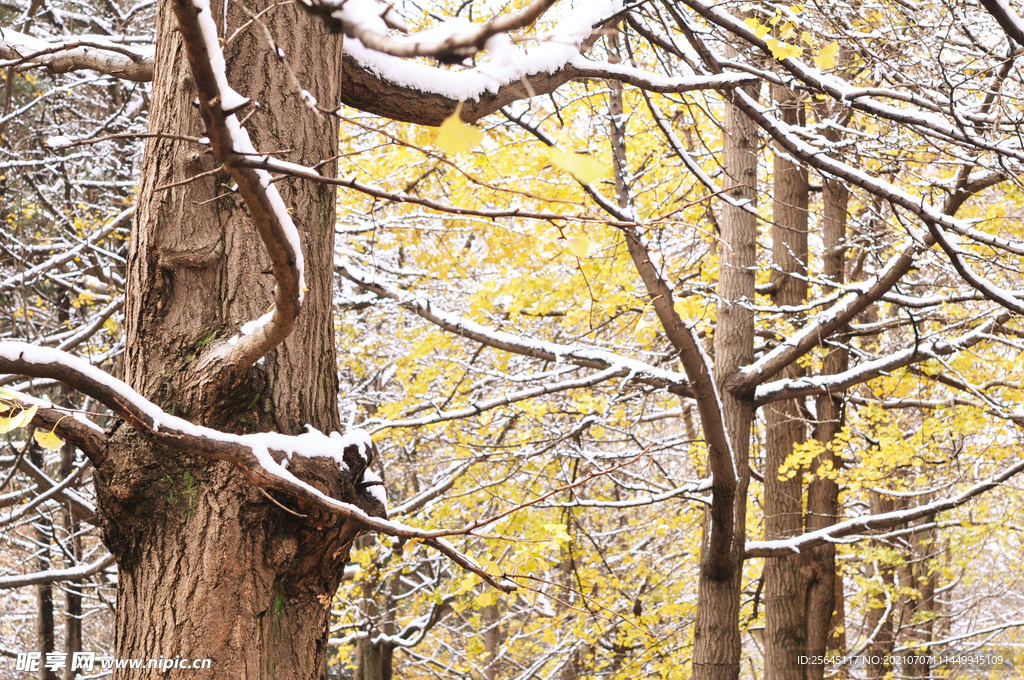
785	582
44	591
825	604
717	645
72	590
208	566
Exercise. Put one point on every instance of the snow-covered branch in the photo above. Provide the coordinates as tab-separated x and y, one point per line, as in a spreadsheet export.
229	141
839	382
78	573
25	51
263	458
672	381
869	523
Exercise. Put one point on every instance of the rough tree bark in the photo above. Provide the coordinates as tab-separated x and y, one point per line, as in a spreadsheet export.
717	638
209	567
825	604
785	578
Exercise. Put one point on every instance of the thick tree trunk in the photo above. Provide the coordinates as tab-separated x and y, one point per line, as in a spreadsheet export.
785	582
717	645
208	566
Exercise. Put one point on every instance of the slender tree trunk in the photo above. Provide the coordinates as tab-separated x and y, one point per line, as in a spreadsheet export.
825	605
717	646
209	567
44	592
72	591
492	642
885	605
785	582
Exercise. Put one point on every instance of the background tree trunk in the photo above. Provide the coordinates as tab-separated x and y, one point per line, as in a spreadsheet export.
825	605
785	582
717	645
208	567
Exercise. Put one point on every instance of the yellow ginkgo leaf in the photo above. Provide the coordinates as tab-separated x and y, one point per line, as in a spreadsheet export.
454	136
20	420
787	32
682	309
486	599
807	38
584	169
751	23
493	569
760	30
580	247
827	55
49	440
410	545
781	50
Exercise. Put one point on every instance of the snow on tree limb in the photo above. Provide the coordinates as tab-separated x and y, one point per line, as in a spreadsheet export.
837	383
77	573
25	51
450	42
421	94
868	523
672	381
262	458
229	141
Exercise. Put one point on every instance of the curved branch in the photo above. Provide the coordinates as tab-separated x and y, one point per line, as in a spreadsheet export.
837	383
798	544
107	58
421	94
674	382
448	44
1008	20
229	141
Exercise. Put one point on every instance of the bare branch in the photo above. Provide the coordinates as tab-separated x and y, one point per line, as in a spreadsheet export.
135	64
79	573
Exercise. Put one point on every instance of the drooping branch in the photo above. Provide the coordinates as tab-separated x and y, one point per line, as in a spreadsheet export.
871	523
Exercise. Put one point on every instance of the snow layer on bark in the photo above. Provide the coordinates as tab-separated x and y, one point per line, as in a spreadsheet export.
310	444
229	99
376	487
